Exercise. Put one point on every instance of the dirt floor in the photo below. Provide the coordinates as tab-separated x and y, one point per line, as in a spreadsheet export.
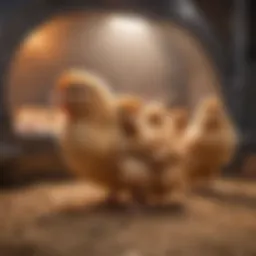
35	222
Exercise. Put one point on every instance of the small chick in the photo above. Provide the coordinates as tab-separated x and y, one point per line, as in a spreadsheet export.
90	139
209	142
134	172
144	127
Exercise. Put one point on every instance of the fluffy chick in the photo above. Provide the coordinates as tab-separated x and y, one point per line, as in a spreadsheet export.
145	131
134	172
209	142
90	139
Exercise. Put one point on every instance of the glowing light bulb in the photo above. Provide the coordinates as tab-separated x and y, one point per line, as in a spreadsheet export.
130	25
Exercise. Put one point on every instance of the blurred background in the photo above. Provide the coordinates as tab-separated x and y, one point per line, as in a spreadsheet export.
178	51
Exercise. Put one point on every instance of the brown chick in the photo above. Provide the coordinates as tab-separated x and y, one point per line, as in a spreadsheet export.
209	142
90	139
144	127
134	172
